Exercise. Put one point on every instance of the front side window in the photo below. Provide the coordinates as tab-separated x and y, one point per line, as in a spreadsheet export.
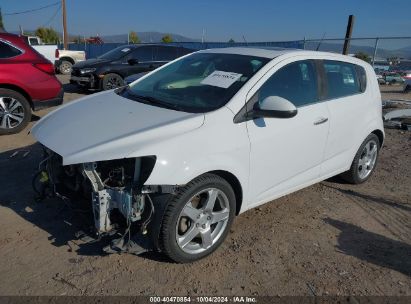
143	54
165	53
341	78
8	51
296	82
198	83
116	54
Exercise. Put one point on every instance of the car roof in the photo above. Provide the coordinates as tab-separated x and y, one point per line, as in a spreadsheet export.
267	52
10	37
137	45
273	52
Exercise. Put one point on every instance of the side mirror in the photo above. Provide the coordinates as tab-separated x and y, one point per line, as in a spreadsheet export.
276	107
132	61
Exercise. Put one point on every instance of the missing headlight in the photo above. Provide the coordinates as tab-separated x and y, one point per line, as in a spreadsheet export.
114	188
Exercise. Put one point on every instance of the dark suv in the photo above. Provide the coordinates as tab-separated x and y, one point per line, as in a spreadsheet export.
109	70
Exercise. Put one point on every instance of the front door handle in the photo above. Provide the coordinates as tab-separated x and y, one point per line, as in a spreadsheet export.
320	121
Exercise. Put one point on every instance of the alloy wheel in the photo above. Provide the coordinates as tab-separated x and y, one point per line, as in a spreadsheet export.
202	221
65	67
11	113
114	82
367	159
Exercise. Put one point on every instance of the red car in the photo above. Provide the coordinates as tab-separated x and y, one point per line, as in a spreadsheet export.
27	83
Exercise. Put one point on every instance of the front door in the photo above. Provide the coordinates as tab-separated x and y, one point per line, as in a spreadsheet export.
144	57
286	153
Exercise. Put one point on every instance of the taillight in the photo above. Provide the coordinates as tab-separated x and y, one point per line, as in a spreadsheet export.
45	67
56	53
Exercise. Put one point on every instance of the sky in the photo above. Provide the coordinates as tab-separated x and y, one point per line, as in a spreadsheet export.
257	20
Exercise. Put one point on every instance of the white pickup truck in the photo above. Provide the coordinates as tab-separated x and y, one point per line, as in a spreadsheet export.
63	59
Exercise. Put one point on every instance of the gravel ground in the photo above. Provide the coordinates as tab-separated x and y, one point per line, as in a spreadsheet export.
329	239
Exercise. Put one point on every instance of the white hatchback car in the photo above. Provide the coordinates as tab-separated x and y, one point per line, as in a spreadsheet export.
171	159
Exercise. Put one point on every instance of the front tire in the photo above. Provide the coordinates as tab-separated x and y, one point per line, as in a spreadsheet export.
198	219
15	112
112	81
364	161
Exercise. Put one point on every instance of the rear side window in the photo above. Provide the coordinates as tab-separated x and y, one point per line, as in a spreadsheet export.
34	41
362	77
296	82
8	51
342	79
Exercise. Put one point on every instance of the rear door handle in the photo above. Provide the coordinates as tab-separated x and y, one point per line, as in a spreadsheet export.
320	121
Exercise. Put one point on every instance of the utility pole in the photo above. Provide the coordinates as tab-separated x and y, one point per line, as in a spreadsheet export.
1	23
348	34
65	35
203	36
375	51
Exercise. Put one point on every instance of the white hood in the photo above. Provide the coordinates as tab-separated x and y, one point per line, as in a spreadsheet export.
107	126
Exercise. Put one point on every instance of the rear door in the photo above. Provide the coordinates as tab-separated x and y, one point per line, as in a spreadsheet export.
346	99
286	153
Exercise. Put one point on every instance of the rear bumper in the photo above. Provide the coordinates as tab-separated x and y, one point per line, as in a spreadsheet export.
42	104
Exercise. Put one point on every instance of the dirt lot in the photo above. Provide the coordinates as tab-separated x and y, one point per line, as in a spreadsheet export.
329	239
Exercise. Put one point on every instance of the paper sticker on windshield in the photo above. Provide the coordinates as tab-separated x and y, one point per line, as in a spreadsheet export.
221	79
125	50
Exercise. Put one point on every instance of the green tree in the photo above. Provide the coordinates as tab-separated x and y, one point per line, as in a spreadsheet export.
231	40
363	56
133	38
167	39
1	23
47	35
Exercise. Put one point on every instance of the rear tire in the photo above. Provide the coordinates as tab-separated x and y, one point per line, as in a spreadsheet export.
364	162
112	81
65	67
15	112
197	219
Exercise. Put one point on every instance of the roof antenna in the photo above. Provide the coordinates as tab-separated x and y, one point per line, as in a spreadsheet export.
246	43
319	44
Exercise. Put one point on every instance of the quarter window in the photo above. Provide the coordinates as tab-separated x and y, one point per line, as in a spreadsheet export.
342	79
296	82
7	51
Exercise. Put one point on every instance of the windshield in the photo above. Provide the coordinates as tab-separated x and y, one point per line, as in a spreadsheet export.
198	83
116	54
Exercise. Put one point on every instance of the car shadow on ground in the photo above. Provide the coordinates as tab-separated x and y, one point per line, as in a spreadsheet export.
372	198
372	247
61	220
35	118
72	88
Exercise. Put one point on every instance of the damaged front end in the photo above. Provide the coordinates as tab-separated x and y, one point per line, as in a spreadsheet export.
120	204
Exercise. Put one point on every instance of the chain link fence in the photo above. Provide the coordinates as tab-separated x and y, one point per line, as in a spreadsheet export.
384	53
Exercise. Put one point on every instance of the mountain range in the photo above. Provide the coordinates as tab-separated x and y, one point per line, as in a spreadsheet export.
155	37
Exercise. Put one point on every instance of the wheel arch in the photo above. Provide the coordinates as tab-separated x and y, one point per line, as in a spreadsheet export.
113	72
380	136
235	184
19	90
67	58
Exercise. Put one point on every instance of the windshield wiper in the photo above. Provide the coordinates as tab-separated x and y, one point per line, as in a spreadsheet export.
154	101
